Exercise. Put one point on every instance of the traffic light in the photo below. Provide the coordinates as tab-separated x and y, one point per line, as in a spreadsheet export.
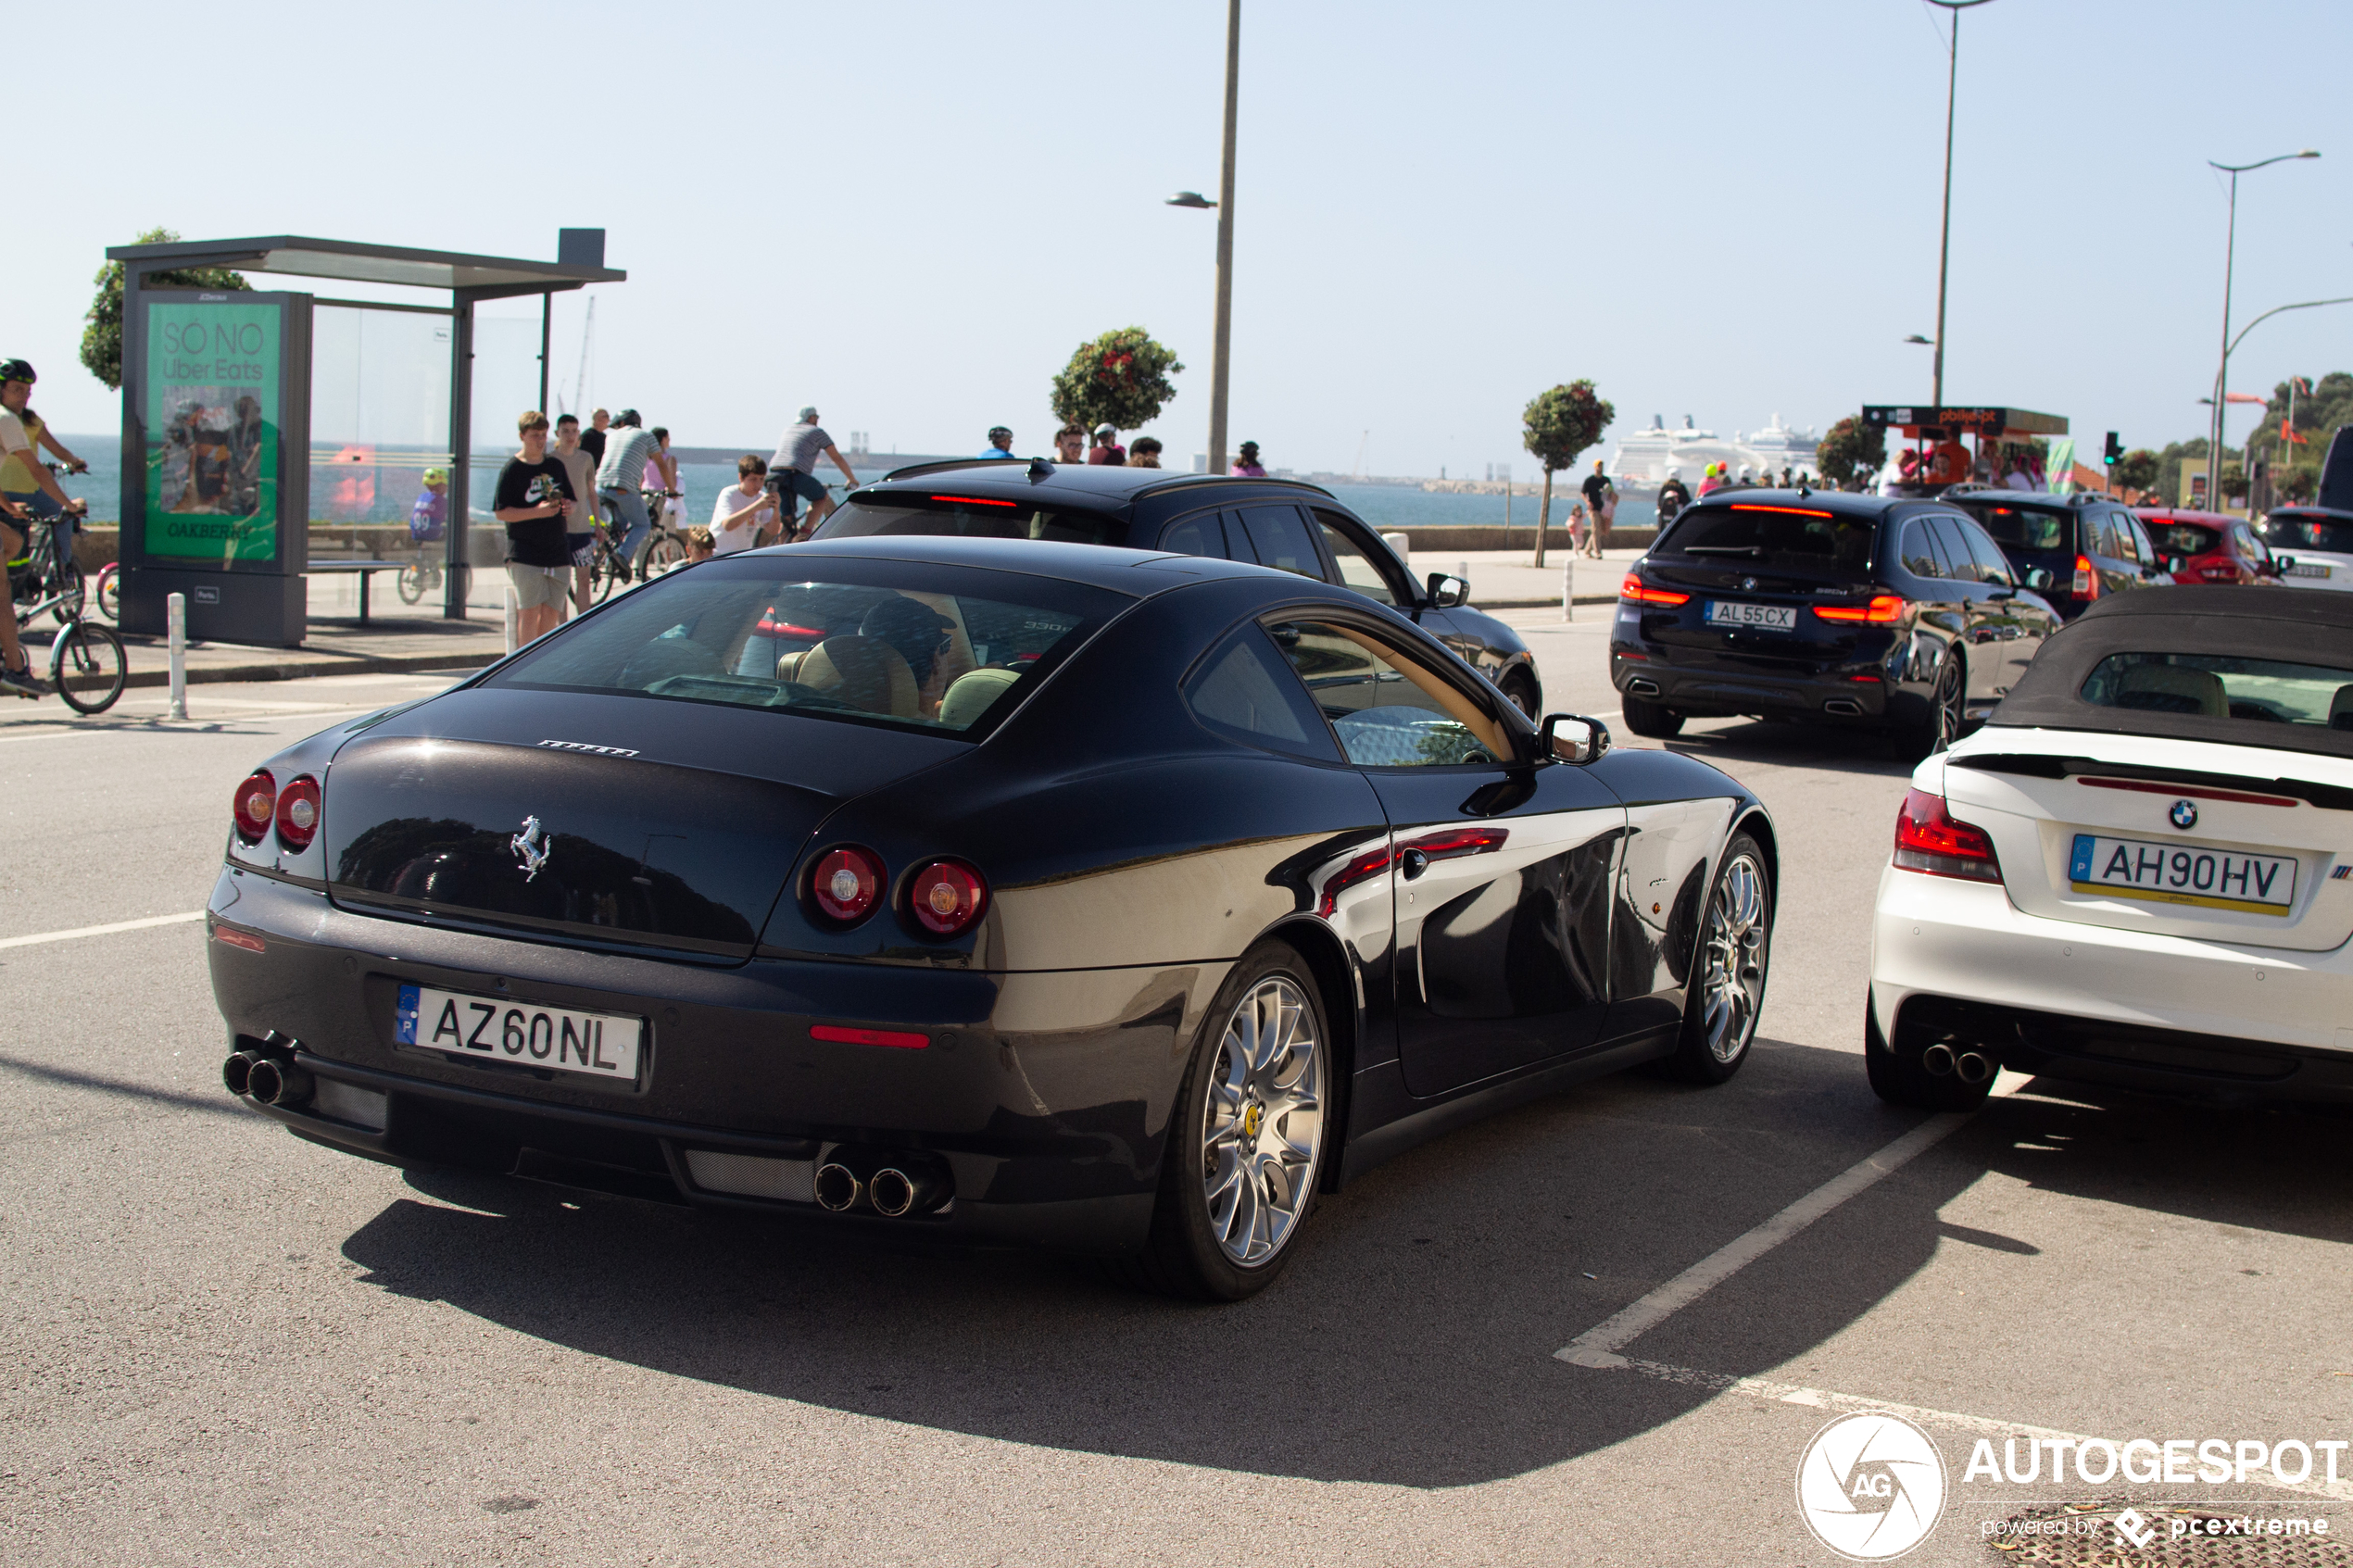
2115	450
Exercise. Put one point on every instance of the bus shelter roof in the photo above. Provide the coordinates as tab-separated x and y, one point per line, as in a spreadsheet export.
479	277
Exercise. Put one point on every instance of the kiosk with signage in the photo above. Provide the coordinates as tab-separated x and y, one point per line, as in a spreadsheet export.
1940	457
216	404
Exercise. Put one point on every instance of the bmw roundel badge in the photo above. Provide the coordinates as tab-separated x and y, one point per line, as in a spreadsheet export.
2183	815
1748	584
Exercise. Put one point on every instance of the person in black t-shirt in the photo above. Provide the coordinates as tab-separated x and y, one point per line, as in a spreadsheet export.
592	440
532	499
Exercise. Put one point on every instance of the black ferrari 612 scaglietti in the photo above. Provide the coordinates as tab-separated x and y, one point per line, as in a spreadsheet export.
993	890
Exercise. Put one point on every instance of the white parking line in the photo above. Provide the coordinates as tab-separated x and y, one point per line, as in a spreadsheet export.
1598	1346
100	930
1824	1398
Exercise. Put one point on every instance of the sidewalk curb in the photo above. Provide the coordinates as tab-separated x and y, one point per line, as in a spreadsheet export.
1554	601
302	669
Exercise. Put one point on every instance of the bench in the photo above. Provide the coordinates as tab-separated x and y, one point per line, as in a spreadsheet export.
365	569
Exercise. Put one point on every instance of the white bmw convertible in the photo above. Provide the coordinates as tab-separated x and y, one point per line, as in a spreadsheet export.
2140	871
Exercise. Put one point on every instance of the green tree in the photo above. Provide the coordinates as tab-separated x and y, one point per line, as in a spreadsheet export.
1119	379
1561	423
1851	453
2135	471
2298	485
102	339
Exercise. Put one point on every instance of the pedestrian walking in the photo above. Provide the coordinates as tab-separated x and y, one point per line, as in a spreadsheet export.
1577	527
1711	478
1246	462
533	498
580	529
1601	505
1145	453
592	440
1069	444
621	480
744	509
1000	442
792	472
1107	449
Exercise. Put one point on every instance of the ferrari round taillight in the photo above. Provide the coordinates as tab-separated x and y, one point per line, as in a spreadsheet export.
298	813
256	802
947	896
847	883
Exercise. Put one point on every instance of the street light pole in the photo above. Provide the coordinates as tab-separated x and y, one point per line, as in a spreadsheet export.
2214	497
1221	332
1944	245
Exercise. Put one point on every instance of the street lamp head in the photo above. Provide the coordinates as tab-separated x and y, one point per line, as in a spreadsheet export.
1924	342
2310	151
1190	198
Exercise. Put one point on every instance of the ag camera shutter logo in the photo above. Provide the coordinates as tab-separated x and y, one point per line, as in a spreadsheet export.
1871	1487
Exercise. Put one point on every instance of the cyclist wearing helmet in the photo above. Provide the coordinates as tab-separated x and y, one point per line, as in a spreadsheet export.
621	480
23	478
1000	442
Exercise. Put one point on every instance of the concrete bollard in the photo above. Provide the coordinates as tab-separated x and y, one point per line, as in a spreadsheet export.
1461	570
176	635
514	618
1403	544
1568	585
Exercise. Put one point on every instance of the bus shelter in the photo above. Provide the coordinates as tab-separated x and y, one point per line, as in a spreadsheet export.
252	417
1941	437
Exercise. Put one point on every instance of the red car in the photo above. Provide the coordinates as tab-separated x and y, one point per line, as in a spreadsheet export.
2206	546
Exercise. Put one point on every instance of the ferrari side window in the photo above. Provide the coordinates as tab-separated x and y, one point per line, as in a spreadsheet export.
1387	711
1243	692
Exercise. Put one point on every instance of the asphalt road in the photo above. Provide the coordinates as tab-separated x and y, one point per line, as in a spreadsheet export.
222	1345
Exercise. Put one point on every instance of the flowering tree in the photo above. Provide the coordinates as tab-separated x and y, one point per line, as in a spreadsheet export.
1120	380
1560	424
1851	453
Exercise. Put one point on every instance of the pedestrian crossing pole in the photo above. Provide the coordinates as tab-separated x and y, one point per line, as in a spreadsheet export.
1568	585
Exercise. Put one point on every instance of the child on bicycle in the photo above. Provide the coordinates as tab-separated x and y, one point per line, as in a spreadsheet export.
16	670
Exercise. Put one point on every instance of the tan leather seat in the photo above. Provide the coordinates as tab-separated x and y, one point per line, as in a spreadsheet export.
2200	686
2340	709
969	697
864	671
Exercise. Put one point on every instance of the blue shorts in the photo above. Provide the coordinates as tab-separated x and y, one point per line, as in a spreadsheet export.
807	486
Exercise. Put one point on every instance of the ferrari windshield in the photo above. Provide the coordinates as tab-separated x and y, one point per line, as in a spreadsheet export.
2210	685
927	647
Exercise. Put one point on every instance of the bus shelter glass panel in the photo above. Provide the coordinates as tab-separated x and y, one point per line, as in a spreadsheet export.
506	384
379	428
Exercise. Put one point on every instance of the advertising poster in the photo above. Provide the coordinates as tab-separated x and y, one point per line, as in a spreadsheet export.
212	408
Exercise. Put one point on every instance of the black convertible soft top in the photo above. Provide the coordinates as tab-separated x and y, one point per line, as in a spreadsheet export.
2297	625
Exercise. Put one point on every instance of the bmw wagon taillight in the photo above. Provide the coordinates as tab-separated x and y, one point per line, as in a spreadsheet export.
298	813
254	803
947	896
1635	591
1883	608
847	885
1928	840
2087	582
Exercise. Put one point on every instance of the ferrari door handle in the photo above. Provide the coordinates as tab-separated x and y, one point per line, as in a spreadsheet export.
1412	863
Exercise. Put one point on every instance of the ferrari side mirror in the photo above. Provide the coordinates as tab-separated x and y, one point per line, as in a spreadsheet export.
1568	737
1446	592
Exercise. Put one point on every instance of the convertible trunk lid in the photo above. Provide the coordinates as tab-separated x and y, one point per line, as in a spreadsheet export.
610	821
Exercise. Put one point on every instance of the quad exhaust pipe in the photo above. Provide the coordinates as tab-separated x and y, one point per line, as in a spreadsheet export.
893	1185
265	1072
1973	1067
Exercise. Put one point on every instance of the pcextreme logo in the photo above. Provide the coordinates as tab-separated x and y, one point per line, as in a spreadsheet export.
1871	1487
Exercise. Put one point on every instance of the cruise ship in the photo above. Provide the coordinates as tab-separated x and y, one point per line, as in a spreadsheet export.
1645	457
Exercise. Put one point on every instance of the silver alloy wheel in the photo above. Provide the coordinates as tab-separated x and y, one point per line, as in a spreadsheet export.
1734	988
1950	707
1263	1121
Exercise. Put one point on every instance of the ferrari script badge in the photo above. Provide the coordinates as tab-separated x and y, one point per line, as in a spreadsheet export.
530	846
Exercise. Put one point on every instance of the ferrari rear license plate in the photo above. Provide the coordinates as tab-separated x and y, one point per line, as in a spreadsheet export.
2179	873
1757	617
594	1042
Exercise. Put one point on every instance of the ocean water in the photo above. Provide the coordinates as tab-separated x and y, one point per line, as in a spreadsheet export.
381	493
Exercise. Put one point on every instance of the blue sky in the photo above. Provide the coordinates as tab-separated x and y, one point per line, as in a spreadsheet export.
911	213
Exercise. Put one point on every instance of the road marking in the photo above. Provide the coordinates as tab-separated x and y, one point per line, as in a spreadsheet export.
1598	1346
1828	1399
101	930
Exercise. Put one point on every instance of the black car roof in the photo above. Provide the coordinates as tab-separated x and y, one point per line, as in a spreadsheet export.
2293	625
1839	503
1098	486
1140	574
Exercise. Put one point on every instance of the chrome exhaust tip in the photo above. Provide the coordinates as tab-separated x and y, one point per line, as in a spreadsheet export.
1973	1068
1937	1061
273	1082
1842	708
911	1186
237	1071
1642	688
837	1187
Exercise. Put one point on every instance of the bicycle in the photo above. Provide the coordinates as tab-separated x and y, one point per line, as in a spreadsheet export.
664	549
419	578
83	654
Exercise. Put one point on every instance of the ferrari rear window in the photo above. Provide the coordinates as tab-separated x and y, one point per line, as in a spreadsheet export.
2262	691
944	650
1800	538
970	517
